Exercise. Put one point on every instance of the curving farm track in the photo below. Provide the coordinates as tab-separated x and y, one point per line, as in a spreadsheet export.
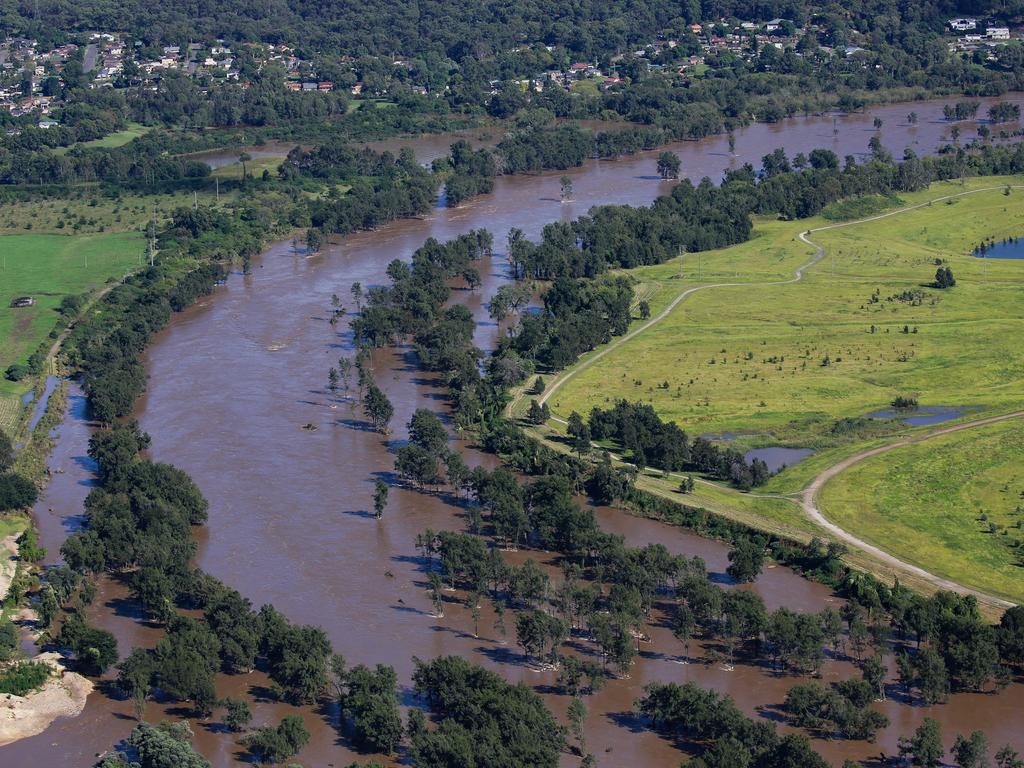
808	498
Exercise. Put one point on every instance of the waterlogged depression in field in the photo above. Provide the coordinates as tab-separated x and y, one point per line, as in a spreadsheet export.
777	458
1007	249
234	379
922	415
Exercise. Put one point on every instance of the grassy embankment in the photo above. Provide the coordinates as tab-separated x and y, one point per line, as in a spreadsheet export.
965	527
88	211
751	359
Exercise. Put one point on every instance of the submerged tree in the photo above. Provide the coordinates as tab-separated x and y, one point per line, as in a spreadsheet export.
924	748
566	188
274	745
746	559
668	165
314	240
378	408
237	714
380	498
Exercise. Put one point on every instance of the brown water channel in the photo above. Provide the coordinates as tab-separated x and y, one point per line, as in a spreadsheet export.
233	380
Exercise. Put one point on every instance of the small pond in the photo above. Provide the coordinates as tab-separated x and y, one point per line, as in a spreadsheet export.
777	457
1011	248
922	415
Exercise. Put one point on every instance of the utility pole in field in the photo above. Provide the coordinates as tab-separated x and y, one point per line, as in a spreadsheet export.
152	236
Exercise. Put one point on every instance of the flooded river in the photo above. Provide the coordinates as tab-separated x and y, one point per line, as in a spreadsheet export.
234	379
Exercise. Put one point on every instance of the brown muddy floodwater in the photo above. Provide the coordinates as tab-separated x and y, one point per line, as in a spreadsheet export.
233	380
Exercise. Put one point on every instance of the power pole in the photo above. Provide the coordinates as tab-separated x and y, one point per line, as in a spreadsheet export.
152	236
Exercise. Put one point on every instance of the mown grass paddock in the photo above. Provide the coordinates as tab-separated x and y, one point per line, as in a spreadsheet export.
48	268
951	504
783	364
803	363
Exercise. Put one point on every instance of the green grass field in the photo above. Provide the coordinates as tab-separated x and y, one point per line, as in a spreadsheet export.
87	211
970	474
781	364
254	167
50	267
11	524
116	139
355	104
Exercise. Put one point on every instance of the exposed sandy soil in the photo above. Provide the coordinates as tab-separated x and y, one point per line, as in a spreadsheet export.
63	695
8	562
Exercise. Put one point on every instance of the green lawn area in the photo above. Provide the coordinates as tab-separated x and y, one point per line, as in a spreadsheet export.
254	167
355	104
12	524
752	359
587	87
87	211
925	503
116	139
50	267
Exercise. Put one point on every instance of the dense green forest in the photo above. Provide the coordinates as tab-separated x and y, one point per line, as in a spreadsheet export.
433	60
461	30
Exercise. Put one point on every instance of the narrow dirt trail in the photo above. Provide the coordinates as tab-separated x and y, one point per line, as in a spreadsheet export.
807	498
809	504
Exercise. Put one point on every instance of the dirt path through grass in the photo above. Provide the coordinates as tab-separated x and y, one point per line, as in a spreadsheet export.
810	506
809	494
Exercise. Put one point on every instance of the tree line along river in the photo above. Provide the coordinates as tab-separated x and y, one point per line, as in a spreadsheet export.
234	378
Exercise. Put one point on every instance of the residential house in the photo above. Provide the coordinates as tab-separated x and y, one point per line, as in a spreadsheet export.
963	25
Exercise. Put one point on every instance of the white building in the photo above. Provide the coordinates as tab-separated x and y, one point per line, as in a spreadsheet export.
963	25
998	33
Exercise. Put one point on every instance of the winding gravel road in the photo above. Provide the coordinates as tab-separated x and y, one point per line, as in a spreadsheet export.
809	504
808	498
